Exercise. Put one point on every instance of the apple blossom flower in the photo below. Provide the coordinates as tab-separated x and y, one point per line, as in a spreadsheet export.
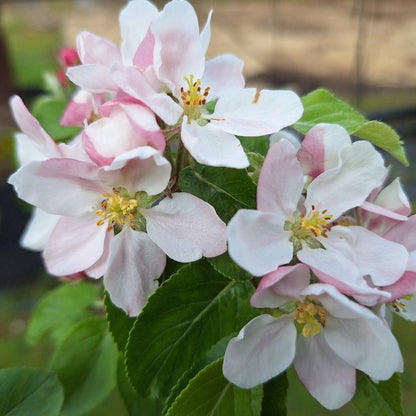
285	223
193	82
33	143
114	221
123	125
336	337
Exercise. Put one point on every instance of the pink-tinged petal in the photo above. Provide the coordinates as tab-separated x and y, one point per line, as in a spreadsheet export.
339	271
186	228
79	109
213	147
281	180
329	379
38	230
365	343
134	266
135	19
223	74
140	169
257	241
98	269
59	186
74	149
346	186
321	146
75	244
27	150
383	260
31	127
263	349
248	112
144	122
93	78
380	211
277	287
393	198
93	49
404	233
334	302
133	82
144	54
176	33
406	285
108	137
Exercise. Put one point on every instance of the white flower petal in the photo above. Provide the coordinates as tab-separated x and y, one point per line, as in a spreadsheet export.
257	241
38	230
346	186
75	244
276	288
134	266
327	377
281	180
264	348
247	112
213	147
186	228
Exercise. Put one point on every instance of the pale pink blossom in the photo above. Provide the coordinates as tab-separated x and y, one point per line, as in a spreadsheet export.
115	221
337	336
312	228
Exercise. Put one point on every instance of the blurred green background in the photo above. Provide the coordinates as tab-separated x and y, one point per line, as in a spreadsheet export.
284	45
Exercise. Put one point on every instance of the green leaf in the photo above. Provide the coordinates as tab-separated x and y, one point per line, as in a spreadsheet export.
186	316
274	396
210	394
321	106
225	265
119	323
256	163
383	136
86	365
30	392
381	399
136	405
216	351
259	145
49	111
226	189
60	310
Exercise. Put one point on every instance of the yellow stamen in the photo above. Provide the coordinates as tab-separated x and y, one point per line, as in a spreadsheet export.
316	222
312	317
115	209
193	98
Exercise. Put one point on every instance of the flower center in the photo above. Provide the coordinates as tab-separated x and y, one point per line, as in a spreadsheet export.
399	306
316	222
311	316
116	209
193	98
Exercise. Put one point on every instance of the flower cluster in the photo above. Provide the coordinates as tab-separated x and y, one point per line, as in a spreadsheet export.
332	244
335	247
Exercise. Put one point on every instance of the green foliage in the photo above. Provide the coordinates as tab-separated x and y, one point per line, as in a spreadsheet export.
259	145
226	189
49	110
378	399
210	394
60	309
321	106
136	405
195	308
274	396
119	323
225	265
29	392
86	363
